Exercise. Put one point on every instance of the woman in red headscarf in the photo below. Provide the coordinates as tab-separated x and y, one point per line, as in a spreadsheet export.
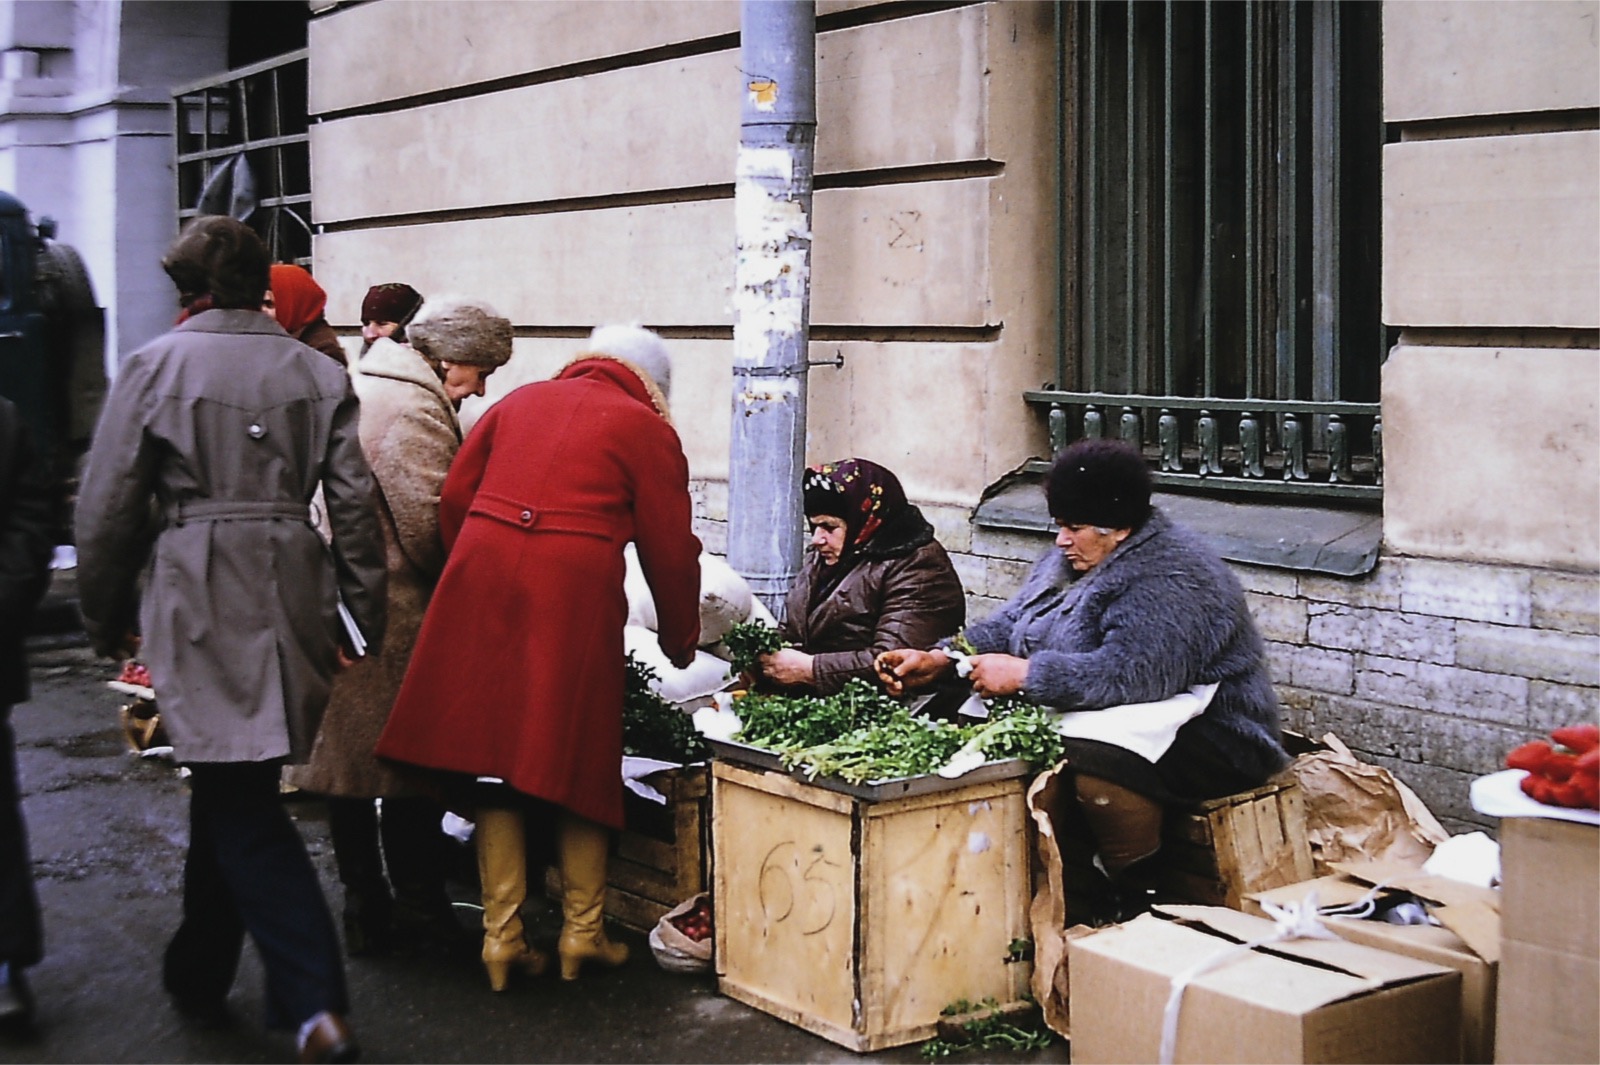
297	302
875	579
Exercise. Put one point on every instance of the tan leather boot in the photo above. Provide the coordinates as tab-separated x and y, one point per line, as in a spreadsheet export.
503	870
581	849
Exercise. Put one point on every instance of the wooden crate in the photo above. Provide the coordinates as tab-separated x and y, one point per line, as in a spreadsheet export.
662	855
1219	851
860	920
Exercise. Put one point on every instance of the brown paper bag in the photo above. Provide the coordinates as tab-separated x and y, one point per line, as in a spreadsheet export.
1361	812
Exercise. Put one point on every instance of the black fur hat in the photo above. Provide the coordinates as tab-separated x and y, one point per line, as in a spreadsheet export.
1099	482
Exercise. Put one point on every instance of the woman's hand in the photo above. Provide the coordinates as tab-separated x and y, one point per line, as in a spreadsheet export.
997	675
905	669
787	666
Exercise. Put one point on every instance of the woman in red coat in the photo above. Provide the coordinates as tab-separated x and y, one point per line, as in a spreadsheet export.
547	489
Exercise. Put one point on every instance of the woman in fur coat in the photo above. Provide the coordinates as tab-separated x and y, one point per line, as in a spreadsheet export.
1137	621
409	433
875	580
551	484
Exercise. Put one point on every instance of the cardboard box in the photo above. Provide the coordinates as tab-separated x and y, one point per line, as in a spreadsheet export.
1305	1000
1548	1007
1550	956
1550	876
860	919
1471	947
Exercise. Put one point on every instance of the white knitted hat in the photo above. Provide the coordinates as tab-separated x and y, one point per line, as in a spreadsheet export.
639	346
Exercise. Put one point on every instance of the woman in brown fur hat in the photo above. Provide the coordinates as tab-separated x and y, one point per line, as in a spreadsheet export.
409	433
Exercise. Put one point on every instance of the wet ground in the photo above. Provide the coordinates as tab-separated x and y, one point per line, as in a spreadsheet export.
108	831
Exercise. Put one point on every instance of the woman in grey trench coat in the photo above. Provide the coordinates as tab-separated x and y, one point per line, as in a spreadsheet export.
210	446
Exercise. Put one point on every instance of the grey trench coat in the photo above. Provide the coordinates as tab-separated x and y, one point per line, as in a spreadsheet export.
211	443
409	433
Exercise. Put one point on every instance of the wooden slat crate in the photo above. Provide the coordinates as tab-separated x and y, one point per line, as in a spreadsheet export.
1219	851
663	853
860	920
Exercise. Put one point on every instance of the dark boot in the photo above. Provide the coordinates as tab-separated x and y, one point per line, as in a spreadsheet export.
368	910
414	846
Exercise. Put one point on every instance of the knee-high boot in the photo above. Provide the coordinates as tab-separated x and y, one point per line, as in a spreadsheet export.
503	869
581	847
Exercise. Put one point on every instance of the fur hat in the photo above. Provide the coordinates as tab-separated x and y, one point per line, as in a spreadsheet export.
636	345
394	301
458	329
1100	482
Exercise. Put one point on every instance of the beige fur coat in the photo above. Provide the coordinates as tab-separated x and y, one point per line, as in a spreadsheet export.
409	433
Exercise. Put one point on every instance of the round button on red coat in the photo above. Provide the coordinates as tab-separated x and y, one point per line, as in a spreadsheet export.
527	516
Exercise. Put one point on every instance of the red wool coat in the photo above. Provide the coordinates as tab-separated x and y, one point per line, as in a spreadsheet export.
518	671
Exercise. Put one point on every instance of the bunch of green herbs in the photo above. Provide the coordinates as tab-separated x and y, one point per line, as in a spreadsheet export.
749	640
862	735
991	1031
653	727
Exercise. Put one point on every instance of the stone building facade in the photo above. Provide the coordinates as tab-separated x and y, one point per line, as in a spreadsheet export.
573	163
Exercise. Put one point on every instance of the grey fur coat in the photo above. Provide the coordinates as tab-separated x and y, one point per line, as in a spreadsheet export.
1157	616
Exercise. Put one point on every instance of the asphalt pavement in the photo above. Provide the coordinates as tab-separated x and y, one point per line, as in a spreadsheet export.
108	831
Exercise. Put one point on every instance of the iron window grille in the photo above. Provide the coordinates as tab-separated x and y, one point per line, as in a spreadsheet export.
243	148
1221	263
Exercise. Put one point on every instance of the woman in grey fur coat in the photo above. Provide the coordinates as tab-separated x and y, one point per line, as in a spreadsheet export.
1130	611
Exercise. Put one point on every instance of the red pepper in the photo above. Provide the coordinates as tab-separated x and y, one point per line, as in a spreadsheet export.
1530	756
1534	786
1587	790
1578	738
1588	763
1559	766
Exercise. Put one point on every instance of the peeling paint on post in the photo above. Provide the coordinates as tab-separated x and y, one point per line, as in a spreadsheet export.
772	293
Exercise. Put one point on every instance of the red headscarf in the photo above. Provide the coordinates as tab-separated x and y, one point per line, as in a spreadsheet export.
297	297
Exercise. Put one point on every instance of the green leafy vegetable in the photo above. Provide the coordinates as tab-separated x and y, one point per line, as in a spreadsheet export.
749	640
991	1032
862	735
653	727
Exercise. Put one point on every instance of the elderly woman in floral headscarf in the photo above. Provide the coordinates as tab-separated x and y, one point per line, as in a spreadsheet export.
875	579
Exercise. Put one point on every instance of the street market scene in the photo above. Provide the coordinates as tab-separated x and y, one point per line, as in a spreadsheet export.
800	530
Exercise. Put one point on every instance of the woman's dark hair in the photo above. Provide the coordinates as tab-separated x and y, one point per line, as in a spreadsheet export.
1099	482
220	257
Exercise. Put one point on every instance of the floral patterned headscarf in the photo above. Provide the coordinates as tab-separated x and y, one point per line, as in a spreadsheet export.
861	492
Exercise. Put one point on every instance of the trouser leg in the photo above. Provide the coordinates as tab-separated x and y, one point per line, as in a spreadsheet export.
353	826
275	893
1126	825
414	847
21	938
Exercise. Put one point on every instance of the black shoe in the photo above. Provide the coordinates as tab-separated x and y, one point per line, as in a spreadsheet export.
328	1039
16	1002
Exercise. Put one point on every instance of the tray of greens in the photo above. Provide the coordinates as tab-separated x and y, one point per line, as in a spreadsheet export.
863	743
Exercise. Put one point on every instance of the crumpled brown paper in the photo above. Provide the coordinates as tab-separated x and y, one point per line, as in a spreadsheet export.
1361	812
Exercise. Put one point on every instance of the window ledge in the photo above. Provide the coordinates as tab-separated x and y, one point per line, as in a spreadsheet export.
1318	539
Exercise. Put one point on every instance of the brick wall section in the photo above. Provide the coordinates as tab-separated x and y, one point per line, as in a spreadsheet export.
1432	669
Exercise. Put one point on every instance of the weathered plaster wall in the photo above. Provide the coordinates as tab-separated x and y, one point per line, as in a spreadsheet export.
574	178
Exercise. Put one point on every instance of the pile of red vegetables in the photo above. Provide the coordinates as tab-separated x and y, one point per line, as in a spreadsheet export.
1563	773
